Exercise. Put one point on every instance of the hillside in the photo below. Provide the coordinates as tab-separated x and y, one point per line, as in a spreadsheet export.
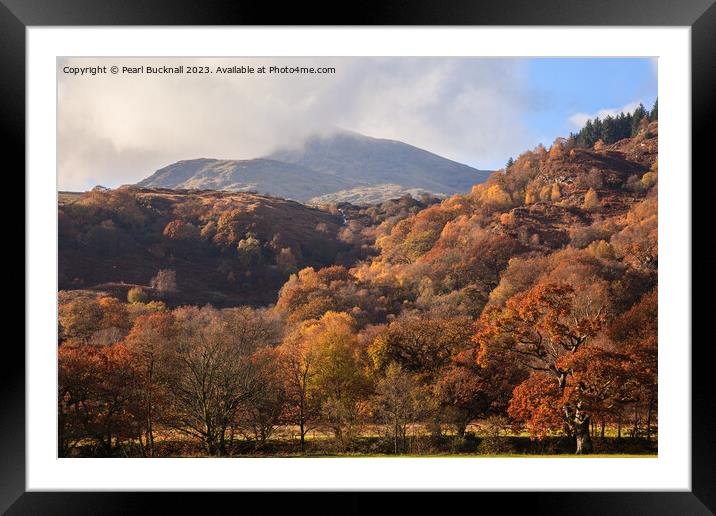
592	204
342	167
368	195
226	248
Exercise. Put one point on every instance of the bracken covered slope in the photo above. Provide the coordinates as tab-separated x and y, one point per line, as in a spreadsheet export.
226	248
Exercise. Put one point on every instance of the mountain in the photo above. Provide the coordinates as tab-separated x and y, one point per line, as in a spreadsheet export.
376	161
332	168
258	175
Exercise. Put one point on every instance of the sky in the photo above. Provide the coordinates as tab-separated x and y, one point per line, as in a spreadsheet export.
116	129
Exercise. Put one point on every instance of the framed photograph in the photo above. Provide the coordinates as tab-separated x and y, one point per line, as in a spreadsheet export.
431	250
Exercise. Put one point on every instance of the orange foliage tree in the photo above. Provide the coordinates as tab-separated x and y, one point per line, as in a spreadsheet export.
95	397
541	329
465	391
149	345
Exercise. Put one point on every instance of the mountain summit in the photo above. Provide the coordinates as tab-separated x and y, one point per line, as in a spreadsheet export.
327	169
257	175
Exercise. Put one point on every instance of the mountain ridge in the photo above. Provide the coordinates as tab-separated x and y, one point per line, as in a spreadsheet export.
244	175
328	167
327	153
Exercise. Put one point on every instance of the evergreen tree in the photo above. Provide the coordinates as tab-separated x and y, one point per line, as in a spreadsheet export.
613	128
654	115
639	113
624	125
598	130
510	162
609	130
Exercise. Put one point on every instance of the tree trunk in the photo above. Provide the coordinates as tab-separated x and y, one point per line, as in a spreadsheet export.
584	441
338	434
461	427
395	438
62	447
211	448
107	445
150	407
222	441
210	440
142	448
303	436
150	434
436	428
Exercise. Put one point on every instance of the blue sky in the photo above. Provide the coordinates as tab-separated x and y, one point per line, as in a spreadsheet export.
567	88
119	129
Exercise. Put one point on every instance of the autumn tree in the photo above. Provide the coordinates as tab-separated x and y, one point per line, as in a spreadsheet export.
635	334
340	373
411	238
545	193
149	345
638	243
536	404
556	192
211	374
558	148
137	295
540	329
591	200
310	293
419	344
257	419
468	255
95	397
181	237
249	251
400	400
165	282
531	195
496	198
298	363
114	314
602	379
520	274
422	346
465	391
79	318
286	260
324	370
180	230
97	320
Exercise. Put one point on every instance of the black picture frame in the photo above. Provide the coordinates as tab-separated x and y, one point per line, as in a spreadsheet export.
700	15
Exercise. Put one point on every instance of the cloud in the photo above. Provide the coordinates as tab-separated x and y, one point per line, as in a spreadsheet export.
654	62
579	119
117	129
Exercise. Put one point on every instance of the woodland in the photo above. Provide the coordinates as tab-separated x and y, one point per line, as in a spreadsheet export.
519	318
